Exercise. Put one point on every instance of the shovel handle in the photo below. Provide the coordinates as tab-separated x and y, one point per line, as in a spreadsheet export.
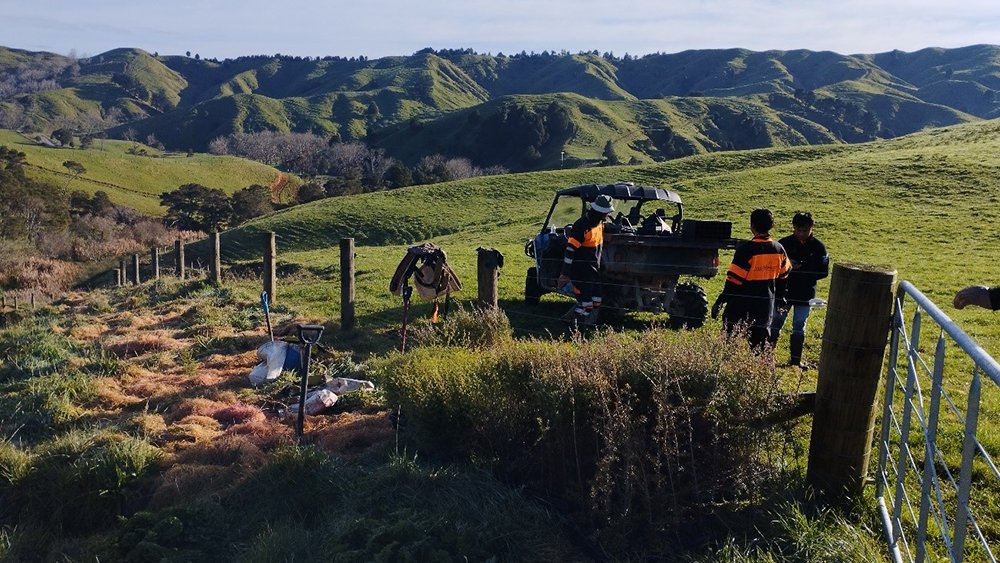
310	334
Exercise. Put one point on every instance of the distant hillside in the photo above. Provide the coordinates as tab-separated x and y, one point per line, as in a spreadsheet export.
904	202
137	180
651	108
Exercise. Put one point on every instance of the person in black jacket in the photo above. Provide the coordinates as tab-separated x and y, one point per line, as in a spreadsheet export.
810	263
582	261
755	281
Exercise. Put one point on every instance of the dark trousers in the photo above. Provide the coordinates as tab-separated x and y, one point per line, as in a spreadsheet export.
586	284
749	312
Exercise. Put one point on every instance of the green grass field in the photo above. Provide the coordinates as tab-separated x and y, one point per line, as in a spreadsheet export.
924	205
921	205
134	180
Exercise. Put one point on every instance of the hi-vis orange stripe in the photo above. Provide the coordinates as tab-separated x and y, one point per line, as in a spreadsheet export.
762	267
591	239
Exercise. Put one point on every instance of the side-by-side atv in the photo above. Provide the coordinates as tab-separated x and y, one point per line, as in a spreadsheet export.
648	246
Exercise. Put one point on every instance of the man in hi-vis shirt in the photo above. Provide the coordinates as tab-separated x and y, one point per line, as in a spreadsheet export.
755	281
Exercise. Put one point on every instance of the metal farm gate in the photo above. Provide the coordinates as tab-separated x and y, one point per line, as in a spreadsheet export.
934	473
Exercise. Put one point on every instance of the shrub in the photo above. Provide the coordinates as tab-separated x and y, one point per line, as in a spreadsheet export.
464	327
35	273
648	429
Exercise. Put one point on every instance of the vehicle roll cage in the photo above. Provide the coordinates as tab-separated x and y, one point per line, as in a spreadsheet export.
621	191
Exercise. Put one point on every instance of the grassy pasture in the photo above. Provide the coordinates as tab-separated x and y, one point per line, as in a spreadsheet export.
133	180
925	205
161	366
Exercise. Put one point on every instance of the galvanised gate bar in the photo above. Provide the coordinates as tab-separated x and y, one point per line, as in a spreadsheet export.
923	492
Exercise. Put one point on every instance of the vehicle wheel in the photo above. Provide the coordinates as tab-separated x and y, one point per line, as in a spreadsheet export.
532	291
689	308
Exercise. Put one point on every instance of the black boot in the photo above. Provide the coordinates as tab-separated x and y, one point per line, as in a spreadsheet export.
795	345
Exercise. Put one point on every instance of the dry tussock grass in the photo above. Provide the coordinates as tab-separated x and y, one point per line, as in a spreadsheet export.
143	343
229	378
89	332
352	434
111	395
190	482
153	388
242	361
148	320
226	450
191	429
239	413
175	316
266	434
149	424
196	406
121	321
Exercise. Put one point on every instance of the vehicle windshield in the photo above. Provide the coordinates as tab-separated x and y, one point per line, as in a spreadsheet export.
566	212
569	208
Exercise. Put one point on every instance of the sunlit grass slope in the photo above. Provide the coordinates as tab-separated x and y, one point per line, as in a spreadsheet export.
924	204
134	180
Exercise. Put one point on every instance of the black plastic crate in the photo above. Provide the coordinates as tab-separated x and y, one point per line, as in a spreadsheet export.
713	230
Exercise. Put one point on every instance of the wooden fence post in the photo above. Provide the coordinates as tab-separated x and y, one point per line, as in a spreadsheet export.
4	298
121	266
489	261
270	265
118	277
215	266
154	255
854	340
32	300
347	284
135	268
15	301
179	258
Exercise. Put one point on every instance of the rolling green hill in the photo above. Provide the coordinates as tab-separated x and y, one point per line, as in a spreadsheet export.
134	180
924	204
743	99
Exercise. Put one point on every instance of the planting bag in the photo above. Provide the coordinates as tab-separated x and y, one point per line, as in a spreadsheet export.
274	356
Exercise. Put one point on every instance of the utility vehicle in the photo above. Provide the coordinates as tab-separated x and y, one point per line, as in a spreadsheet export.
648	246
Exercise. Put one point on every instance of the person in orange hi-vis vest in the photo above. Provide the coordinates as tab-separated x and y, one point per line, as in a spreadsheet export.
582	262
755	282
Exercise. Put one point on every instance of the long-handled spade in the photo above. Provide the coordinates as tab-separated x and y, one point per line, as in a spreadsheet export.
267	313
309	335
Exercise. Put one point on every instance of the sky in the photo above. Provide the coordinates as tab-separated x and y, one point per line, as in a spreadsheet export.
376	28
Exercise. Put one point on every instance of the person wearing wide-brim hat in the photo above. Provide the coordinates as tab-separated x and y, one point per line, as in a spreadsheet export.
582	261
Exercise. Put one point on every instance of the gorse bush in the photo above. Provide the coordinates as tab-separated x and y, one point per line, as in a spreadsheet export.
647	429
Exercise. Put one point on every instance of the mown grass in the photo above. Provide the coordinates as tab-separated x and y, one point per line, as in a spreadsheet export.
134	180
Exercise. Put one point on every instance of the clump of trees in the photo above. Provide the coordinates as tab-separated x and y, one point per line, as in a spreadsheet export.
38	74
351	167
194	207
42	228
517	133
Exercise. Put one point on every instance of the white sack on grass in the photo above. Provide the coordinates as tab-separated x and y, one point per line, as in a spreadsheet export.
341	385
316	402
272	359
